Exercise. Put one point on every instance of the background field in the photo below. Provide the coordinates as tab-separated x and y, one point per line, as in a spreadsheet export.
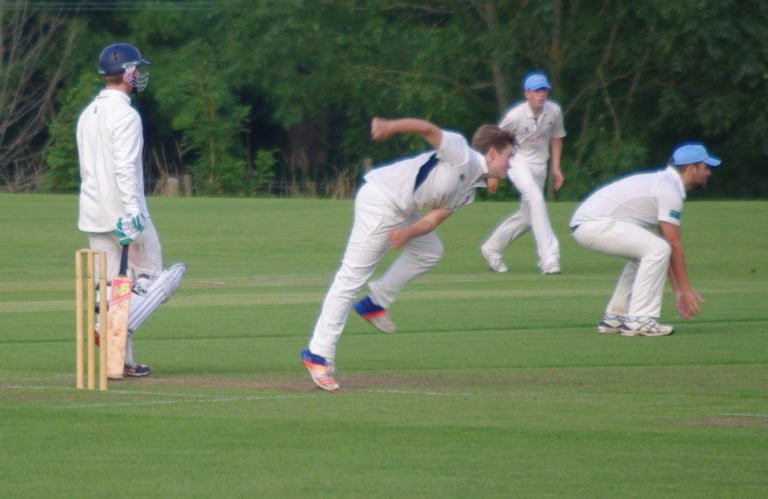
494	385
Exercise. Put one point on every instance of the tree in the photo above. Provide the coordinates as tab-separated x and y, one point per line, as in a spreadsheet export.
30	73
233	83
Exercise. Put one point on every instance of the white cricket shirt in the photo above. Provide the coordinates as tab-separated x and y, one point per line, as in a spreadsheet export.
109	143
451	184
532	134
644	199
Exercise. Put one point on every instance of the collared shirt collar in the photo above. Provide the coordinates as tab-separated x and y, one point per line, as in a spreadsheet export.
111	92
481	175
675	174
529	110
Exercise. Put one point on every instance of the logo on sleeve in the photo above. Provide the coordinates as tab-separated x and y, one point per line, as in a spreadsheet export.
674	214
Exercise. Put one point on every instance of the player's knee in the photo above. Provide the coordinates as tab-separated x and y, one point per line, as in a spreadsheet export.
434	254
661	251
532	194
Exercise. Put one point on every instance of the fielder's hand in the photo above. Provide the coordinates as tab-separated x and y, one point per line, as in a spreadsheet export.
688	303
130	227
558	178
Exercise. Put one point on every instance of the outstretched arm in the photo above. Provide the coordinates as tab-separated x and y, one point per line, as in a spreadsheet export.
382	129
687	300
424	225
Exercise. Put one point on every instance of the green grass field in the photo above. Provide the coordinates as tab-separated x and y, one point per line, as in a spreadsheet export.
495	385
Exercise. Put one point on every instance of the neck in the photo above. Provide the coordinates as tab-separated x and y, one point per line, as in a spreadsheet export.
536	110
122	87
685	176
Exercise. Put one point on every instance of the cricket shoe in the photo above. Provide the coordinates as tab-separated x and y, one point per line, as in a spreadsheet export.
376	315
610	324
494	259
321	370
551	269
137	370
646	326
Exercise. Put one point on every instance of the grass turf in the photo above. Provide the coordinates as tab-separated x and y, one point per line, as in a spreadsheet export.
495	385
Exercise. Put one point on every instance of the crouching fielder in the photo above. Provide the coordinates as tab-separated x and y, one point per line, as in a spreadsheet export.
616	220
387	215
112	206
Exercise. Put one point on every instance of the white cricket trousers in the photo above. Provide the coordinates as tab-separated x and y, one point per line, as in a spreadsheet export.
640	288
375	216
529	180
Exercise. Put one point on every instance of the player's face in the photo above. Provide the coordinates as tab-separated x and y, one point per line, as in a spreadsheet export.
498	161
537	98
701	173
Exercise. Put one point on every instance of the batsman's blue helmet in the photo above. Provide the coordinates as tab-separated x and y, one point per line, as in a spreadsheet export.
119	57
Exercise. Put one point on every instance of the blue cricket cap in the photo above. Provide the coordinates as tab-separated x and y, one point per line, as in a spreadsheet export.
536	81
693	152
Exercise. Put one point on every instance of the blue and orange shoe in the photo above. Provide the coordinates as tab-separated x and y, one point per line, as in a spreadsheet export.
376	315
321	370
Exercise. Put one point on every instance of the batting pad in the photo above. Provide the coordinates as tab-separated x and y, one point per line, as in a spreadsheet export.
146	300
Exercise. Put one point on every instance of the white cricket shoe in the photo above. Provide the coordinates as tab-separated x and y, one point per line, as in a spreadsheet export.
646	326
610	324
551	269
494	259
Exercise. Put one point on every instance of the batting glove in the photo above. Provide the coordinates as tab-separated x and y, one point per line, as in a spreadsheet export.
130	227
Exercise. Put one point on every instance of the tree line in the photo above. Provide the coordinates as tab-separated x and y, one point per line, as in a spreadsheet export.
265	97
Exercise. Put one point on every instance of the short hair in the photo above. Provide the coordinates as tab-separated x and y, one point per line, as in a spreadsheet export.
488	136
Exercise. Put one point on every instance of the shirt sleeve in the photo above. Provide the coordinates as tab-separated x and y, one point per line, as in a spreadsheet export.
453	149
507	122
558	129
129	142
670	204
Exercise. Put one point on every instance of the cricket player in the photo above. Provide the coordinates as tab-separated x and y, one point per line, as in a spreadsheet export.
537	123
387	215
617	220
113	210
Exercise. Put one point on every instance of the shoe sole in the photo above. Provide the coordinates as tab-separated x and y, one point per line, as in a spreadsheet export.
332	386
607	330
645	333
381	323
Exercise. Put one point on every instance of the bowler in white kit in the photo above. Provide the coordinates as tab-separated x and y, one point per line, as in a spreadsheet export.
387	216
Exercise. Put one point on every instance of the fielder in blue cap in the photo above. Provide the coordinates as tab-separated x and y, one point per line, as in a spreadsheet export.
537	123
624	219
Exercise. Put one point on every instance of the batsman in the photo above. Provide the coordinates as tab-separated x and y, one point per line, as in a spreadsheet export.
112	207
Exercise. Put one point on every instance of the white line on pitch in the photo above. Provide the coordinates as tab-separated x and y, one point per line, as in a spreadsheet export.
414	392
111	390
172	402
744	415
